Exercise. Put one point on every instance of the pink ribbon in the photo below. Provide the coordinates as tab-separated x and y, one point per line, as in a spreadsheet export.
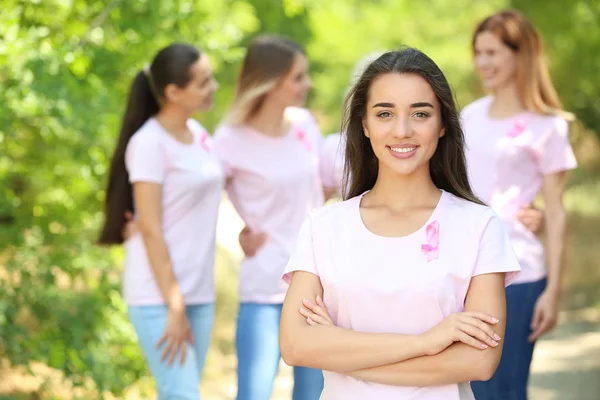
204	141
301	135
431	248
518	127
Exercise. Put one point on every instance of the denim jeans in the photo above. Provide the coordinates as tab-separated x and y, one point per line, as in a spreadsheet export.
257	343
177	382
510	380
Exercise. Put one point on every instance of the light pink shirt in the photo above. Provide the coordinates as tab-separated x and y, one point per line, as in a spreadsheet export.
507	160
273	182
332	162
391	285
192	181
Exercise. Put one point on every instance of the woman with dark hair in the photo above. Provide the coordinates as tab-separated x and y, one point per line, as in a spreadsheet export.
398	291
518	148
270	149
165	173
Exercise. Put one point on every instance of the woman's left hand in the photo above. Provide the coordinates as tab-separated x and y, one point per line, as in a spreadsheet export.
315	312
545	315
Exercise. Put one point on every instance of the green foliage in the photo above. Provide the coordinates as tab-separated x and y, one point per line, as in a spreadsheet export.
65	69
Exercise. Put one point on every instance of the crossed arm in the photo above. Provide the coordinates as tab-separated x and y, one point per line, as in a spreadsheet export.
401	360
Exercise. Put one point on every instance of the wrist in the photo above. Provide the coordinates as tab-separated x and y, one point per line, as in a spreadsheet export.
420	343
553	289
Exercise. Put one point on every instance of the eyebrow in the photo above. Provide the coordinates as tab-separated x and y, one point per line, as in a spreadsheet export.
414	105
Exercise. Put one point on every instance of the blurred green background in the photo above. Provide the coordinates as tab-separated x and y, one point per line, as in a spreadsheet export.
65	68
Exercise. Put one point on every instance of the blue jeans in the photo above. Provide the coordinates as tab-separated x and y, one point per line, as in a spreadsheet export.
510	380
257	343
177	382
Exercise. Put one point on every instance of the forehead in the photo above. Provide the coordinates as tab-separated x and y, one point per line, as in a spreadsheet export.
202	67
400	89
487	39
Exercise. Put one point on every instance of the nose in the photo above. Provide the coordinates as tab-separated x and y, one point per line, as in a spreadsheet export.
402	127
216	85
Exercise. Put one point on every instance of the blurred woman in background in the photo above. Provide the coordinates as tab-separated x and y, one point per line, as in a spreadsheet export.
270	148
517	147
165	173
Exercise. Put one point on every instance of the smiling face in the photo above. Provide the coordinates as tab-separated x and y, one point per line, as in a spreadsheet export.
403	122
495	62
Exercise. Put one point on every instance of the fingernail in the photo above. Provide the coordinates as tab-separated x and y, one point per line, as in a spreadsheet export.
494	343
302	309
484	346
304	300
496	320
496	336
318	298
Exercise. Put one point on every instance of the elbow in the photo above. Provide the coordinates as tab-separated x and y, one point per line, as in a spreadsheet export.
486	368
289	350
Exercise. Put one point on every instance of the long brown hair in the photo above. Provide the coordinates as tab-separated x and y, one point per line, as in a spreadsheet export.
170	66
269	58
447	166
534	85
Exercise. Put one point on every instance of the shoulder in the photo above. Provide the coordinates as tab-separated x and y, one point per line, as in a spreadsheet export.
226	133
149	135
303	119
548	124
300	115
328	215
475	107
467	215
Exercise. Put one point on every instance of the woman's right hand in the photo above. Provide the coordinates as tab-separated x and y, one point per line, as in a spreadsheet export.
176	336
470	328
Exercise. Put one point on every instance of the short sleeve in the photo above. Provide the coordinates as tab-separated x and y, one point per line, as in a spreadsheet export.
557	154
145	159
303	255
495	252
328	162
221	145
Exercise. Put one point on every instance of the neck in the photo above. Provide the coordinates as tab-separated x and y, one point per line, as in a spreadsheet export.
506	102
269	120
173	119
403	191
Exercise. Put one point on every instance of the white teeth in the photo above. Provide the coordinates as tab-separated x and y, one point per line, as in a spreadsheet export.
403	149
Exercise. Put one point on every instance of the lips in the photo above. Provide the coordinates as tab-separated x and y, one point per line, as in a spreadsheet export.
403	151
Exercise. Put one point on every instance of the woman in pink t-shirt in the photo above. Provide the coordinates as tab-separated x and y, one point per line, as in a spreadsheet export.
518	147
398	292
270	151
165	173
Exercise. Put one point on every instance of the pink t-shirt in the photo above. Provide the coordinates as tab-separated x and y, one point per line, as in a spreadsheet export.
391	285
192	181
507	160
273	182
332	162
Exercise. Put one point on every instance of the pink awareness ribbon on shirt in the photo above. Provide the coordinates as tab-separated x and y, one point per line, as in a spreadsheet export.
204	141
518	127
301	135
431	248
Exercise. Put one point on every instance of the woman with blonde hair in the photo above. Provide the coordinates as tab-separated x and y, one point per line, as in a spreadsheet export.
518	146
270	147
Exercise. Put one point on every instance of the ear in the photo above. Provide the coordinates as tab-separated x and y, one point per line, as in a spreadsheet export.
442	132
365	130
172	93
